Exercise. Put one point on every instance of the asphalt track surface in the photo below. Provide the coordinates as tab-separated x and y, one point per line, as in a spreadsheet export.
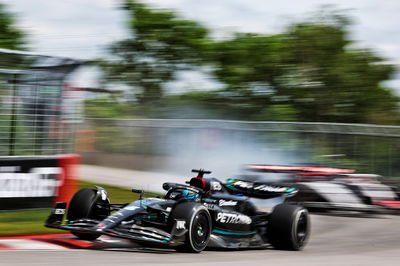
335	240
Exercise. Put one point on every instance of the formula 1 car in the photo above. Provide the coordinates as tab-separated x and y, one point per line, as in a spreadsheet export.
190	217
328	188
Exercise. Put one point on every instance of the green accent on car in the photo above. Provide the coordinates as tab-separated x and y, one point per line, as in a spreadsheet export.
231	186
210	200
221	232
146	217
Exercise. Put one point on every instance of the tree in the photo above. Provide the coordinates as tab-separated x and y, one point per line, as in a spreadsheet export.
161	43
328	80
10	38
308	71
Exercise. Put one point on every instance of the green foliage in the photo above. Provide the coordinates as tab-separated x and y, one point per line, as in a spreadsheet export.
309	69
278	112
247	59
107	107
309	72
10	38
178	40
161	44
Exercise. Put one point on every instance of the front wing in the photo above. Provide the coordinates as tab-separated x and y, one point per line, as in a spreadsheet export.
136	233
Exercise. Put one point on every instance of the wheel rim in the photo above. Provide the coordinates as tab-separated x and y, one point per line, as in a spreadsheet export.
200	231
302	229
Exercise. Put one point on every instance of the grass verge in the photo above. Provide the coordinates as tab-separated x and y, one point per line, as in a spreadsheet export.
30	222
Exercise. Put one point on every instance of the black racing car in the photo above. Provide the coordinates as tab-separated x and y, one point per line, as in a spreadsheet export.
190	217
324	189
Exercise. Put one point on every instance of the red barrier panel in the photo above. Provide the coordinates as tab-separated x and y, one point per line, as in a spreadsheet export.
69	177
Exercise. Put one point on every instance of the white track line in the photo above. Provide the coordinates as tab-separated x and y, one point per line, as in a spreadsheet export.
29	244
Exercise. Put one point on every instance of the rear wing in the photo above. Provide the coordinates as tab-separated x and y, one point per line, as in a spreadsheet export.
297	169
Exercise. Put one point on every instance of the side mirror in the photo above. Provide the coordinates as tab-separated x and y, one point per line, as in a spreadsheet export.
139	191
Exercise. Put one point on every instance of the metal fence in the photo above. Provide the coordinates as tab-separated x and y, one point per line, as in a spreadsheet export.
367	148
37	108
270	126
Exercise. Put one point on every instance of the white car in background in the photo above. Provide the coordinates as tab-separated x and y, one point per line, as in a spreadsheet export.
328	188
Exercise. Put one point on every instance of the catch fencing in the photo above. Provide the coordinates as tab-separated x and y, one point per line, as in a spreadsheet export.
38	109
367	148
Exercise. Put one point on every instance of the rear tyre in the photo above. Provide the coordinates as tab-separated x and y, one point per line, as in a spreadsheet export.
198	223
84	205
288	227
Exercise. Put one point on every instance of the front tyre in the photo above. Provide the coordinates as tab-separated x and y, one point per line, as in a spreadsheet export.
84	205
288	227
198	223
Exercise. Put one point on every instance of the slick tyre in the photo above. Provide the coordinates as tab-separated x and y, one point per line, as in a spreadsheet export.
83	205
198	224
288	227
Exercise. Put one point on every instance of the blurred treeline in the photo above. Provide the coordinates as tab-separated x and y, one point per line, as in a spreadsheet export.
312	71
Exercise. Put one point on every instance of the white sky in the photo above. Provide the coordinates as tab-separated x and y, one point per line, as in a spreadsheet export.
83	28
